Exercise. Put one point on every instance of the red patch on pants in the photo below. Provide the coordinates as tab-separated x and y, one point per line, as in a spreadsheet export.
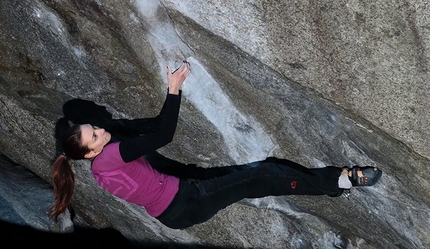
293	184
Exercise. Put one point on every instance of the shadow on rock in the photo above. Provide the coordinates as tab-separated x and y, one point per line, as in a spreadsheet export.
18	236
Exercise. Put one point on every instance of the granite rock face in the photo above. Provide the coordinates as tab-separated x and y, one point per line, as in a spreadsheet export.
318	82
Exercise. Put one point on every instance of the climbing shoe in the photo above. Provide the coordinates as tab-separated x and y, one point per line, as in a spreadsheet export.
364	176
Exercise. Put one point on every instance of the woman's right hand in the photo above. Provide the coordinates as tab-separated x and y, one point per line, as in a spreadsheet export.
177	78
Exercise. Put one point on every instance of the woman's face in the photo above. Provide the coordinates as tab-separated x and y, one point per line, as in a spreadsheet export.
94	138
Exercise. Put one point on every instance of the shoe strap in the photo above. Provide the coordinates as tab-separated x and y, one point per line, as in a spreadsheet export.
360	173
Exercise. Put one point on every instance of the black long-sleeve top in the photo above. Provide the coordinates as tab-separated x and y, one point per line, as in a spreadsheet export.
157	132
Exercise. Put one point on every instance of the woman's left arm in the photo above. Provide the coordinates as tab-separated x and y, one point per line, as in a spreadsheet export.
135	127
133	148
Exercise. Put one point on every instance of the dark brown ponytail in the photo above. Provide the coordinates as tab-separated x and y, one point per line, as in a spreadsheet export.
64	185
63	176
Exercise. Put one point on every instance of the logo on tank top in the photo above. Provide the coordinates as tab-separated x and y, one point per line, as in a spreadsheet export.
293	184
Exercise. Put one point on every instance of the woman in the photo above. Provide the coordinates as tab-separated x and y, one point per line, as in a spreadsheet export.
193	196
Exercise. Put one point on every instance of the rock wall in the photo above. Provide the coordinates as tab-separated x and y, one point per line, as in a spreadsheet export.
318	82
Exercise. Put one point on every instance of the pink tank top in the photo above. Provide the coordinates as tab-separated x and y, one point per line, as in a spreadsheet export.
136	182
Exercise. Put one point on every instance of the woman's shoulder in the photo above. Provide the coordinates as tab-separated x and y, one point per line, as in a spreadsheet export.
111	147
108	159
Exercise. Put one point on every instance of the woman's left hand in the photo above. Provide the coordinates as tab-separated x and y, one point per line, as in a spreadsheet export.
177	78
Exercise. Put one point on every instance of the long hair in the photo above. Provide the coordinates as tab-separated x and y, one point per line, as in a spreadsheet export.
63	176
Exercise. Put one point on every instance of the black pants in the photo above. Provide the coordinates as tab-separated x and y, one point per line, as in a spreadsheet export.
213	189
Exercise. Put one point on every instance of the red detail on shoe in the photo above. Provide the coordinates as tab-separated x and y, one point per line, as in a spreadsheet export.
293	184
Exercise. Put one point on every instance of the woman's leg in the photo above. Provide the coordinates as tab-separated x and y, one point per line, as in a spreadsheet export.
272	177
171	167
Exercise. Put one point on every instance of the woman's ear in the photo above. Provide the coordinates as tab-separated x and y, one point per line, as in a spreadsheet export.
90	155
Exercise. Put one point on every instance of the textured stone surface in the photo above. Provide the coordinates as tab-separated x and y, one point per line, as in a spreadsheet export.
318	82
21	191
